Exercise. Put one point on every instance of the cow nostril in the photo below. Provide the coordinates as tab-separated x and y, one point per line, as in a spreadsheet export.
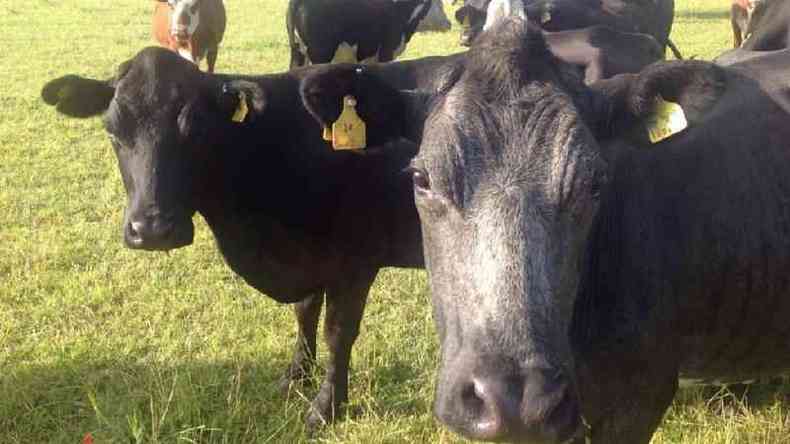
472	402
134	232
488	406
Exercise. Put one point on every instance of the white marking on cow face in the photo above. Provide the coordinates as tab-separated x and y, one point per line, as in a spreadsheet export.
499	10
185	11
187	54
345	53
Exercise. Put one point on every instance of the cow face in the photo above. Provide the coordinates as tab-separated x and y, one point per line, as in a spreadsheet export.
506	195
506	185
185	19
471	20
163	117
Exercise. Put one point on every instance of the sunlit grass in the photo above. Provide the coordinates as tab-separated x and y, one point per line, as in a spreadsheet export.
141	347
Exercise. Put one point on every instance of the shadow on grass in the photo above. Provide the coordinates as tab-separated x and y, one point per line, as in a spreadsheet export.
704	15
136	401
122	401
761	394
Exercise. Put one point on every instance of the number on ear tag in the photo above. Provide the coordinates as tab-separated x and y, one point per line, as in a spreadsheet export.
348	132
667	119
241	110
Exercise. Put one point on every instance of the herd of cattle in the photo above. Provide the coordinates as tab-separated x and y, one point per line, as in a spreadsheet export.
596	223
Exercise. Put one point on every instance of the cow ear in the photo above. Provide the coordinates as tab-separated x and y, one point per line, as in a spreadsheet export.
241	101
389	114
659	102
77	96
500	10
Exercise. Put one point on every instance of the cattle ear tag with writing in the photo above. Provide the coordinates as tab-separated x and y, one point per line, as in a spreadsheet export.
666	119
466	23
241	109
348	132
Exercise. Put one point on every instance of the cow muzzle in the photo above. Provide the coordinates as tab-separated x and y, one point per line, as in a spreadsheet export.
538	407
158	233
468	35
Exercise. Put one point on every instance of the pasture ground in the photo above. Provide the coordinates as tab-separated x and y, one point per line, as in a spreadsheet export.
154	348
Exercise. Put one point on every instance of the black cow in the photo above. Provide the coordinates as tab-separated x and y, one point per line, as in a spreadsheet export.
290	216
364	31
652	17
603	52
769	26
578	270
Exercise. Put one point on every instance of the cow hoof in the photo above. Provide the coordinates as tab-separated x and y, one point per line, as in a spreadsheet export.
322	412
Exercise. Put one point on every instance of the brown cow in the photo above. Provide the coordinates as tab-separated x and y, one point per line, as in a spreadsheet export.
192	28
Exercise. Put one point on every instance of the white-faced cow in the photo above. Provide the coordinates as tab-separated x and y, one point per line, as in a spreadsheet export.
578	269
652	17
291	217
192	28
351	31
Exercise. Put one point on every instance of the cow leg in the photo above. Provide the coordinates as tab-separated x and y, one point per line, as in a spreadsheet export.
736	29
211	58
307	314
297	58
345	304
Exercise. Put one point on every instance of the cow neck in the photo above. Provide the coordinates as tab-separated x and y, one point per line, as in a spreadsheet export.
258	194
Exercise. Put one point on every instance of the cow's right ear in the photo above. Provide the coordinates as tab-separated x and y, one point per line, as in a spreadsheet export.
389	114
241	101
77	96
641	106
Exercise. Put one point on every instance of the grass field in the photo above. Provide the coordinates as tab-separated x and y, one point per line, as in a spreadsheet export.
142	347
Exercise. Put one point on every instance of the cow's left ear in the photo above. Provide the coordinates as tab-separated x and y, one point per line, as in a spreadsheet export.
77	96
388	114
659	102
241	101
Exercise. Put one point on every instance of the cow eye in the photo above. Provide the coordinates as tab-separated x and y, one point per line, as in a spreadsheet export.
420	179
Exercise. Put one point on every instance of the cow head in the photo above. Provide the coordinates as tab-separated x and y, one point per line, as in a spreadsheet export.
185	19
471	16
163	117
509	181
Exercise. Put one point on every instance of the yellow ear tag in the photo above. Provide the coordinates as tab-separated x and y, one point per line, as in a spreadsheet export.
327	134
348	132
667	119
466	23
241	111
546	17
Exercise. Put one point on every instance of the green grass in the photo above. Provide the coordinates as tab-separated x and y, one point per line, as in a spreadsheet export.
140	347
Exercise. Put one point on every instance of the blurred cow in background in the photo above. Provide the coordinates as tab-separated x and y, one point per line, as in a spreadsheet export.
192	28
351	31
436	19
652	17
741	15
